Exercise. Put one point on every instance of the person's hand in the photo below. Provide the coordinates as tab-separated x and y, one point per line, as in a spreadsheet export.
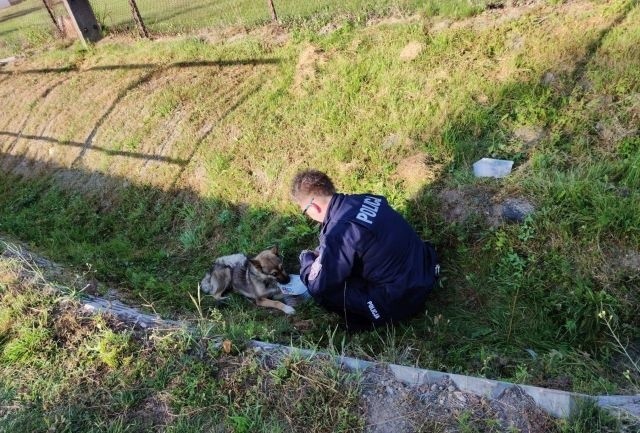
305	253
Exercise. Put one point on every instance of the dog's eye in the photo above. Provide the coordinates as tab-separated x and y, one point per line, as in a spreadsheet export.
274	273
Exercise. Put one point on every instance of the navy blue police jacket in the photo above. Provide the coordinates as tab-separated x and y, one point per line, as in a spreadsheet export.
370	262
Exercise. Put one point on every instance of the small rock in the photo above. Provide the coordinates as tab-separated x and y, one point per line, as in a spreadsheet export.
460	396
451	388
549	78
441	388
390	390
434	387
585	84
516	210
441	401
612	131
624	192
631	260
391	140
517	43
482	99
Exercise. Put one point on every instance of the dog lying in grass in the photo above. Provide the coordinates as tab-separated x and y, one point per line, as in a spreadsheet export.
256	278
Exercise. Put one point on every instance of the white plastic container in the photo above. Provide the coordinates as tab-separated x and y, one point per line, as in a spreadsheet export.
295	287
489	167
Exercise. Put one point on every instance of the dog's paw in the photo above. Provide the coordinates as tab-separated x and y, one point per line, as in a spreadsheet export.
289	310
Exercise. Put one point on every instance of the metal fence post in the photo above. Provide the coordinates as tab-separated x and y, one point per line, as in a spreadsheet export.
138	19
53	17
84	20
272	8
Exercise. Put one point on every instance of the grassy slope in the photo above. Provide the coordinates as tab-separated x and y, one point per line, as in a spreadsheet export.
190	151
65	371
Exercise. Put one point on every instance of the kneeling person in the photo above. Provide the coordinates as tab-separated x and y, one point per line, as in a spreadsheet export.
370	267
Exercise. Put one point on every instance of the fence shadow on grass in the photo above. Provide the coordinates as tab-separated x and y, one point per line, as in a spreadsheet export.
8	32
231	98
110	152
184	64
19	14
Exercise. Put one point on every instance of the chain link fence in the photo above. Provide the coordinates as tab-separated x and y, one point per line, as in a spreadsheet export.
25	24
28	23
181	16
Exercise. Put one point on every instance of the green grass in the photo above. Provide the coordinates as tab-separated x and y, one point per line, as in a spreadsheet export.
92	373
590	418
527	310
65	371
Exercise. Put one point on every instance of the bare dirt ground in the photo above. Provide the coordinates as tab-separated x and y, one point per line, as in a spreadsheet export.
391	406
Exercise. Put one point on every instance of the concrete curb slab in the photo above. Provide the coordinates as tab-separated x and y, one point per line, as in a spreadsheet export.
560	404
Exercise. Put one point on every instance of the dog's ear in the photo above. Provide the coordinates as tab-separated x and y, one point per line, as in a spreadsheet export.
256	263
274	249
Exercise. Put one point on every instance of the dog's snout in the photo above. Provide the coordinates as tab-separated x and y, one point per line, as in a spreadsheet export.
283	278
205	284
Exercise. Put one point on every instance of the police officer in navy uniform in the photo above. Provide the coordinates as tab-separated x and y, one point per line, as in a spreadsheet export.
371	267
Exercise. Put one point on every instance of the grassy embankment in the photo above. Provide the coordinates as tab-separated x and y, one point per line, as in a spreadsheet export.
66	371
140	162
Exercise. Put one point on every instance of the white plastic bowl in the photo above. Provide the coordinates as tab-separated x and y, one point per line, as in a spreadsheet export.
294	287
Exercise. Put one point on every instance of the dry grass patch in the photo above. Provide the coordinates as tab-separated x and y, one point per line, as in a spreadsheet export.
417	171
310	59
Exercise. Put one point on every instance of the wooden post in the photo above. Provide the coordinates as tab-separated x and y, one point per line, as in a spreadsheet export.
53	17
138	19
272	8
84	20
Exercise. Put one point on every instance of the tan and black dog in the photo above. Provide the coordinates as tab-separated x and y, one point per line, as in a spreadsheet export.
256	278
